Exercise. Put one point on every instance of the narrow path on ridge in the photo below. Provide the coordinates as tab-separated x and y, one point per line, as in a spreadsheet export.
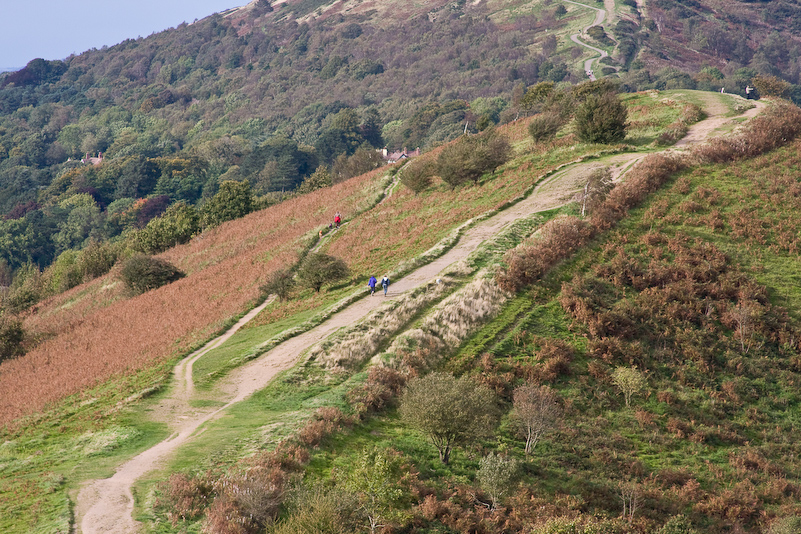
106	506
600	16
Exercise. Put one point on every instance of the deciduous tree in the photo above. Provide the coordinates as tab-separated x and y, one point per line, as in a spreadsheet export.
601	119
318	269
536	411
629	381
496	475
451	411
375	480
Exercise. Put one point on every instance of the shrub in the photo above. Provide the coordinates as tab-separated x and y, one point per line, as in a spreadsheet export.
185	498
141	273
176	226
543	127
319	510
383	384
416	175
233	200
558	239
247	502
279	283
318	269
450	411
320	179
601	119
12	336
774	128
471	156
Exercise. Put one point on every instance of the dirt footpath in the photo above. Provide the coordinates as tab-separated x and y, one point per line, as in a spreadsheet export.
106	506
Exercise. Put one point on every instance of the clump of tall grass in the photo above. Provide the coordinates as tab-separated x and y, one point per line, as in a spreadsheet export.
452	321
360	342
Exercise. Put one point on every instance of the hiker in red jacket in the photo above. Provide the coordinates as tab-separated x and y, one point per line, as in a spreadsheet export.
337	219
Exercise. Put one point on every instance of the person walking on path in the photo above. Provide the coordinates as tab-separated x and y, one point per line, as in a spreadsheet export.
385	284
371	284
337	219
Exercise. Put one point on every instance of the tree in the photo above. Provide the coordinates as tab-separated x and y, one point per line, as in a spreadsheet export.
280	283
318	269
536	411
601	119
320	179
417	174
233	200
177	225
141	273
496	475
362	161
11	337
450	411
374	479
560	10
629	381
472	156
543	127
537	95
771	86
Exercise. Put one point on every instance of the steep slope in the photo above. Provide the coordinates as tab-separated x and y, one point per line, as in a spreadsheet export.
106	505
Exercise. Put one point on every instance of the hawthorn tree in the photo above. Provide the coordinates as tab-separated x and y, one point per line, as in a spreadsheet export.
471	156
601	119
416	175
318	269
141	273
629	381
280	283
536	411
451	411
496	475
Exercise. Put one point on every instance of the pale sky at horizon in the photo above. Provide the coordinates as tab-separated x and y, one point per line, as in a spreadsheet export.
54	29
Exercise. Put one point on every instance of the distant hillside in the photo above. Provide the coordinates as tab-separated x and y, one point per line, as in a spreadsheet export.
268	93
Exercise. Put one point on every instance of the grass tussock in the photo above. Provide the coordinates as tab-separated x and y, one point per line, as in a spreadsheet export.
452	321
358	343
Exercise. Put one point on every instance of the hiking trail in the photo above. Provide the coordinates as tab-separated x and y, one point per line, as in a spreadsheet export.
106	506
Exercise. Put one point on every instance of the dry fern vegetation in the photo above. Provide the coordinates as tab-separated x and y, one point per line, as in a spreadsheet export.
101	350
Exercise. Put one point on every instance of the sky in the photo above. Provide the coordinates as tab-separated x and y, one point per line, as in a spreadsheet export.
54	29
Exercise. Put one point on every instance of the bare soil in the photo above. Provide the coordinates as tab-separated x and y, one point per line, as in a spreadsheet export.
106	506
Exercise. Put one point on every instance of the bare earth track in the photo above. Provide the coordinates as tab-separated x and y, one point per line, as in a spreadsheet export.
106	506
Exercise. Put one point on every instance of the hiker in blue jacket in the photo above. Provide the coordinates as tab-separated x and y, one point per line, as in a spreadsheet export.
385	284
371	284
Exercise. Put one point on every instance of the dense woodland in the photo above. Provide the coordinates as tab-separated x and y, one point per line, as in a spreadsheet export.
268	95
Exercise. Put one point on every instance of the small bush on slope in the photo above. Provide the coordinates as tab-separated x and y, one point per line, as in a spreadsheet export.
471	156
141	273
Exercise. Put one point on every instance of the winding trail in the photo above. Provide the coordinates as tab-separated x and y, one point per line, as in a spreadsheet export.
106	506
600	16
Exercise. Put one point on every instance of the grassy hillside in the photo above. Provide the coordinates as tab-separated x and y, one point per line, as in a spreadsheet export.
224	268
683	289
